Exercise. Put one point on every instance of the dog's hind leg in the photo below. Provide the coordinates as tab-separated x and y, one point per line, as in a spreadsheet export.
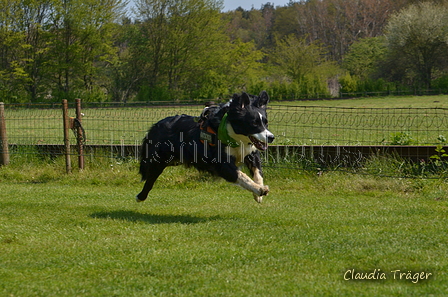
151	176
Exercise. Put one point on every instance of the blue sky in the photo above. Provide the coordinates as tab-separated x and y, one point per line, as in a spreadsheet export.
247	4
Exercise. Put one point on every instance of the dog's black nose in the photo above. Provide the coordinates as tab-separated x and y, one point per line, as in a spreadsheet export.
271	138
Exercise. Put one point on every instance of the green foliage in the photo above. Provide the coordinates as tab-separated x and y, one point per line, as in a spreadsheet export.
13	61
182	48
401	138
283	90
156	93
417	39
364	56
440	83
349	83
439	159
353	85
300	59
175	50
305	65
55	49
436	167
279	90
242	65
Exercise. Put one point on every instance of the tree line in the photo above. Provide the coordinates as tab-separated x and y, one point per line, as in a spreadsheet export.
189	49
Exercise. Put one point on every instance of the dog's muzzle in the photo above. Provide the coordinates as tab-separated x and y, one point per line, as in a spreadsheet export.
261	140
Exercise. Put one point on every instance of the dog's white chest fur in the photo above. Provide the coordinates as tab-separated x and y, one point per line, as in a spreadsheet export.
240	152
244	148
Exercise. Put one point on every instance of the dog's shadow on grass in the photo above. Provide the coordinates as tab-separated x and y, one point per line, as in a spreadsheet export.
132	216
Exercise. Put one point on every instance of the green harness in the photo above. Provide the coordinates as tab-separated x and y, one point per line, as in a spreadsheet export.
223	134
208	135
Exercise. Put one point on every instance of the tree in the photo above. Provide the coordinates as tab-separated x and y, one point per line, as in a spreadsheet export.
418	42
55	46
175	39
304	63
184	52
124	72
335	23
364	56
13	61
33	23
81	42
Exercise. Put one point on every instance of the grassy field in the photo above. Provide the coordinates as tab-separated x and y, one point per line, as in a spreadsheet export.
371	121
84	235
440	101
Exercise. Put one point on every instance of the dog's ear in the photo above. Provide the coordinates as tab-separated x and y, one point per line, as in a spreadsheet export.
244	100
241	101
262	100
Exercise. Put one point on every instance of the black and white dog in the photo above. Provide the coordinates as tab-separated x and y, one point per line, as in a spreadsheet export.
219	141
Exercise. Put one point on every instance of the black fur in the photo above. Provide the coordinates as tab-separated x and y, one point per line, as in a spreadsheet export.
176	140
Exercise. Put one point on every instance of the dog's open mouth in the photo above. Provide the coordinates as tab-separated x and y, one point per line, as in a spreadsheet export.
262	146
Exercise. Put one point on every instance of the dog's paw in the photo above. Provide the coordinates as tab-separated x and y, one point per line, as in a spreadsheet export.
257	198
264	190
138	200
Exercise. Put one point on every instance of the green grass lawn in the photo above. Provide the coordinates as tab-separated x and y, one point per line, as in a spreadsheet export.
440	101
84	235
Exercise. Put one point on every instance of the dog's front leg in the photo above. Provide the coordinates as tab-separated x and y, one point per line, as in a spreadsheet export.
247	183
258	178
230	172
253	162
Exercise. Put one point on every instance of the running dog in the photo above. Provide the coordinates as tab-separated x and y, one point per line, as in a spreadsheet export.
220	141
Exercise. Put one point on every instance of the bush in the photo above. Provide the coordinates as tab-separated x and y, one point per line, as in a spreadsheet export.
401	138
349	84
147	93
441	83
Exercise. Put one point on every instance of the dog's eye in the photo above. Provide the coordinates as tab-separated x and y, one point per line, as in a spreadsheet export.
263	122
259	122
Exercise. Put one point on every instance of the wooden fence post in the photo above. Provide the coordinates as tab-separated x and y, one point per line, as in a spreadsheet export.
66	119
4	151
79	135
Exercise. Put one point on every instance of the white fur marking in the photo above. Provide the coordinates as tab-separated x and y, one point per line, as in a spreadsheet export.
259	180
243	150
248	184
264	135
257	176
261	118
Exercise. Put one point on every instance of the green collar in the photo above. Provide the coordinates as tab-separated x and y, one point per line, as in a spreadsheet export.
223	134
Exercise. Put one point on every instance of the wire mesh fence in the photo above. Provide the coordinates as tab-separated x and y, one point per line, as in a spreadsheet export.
358	126
34	126
310	132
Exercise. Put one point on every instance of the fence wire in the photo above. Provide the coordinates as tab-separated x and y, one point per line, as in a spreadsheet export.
358	126
118	131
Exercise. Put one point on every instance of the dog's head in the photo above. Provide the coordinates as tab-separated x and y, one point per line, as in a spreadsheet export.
247	120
